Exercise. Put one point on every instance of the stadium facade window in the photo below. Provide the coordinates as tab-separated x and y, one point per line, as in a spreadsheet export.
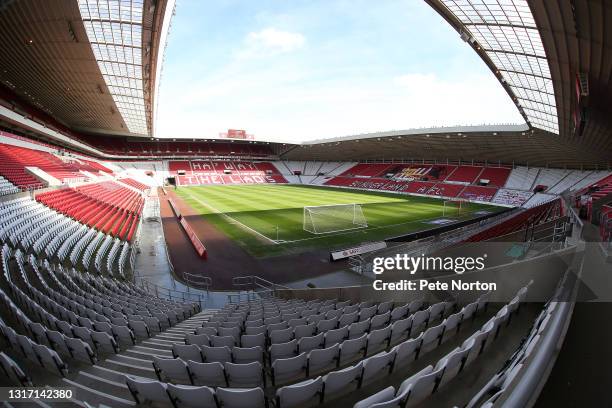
506	31
114	30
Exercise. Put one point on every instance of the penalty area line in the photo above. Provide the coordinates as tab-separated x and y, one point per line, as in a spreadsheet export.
233	220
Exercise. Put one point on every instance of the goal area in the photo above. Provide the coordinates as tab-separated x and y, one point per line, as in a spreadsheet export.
454	207
325	219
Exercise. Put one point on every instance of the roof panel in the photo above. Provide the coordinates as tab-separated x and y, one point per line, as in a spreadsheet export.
507	33
114	29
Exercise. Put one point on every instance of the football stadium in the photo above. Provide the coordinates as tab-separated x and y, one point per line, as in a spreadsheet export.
339	203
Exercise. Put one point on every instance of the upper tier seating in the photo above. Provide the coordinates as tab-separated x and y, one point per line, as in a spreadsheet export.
367	170
13	169
600	188
522	178
202	172
107	207
186	148
497	176
465	174
431	172
17	158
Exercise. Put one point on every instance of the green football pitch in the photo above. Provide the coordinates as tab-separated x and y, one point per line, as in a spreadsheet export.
268	219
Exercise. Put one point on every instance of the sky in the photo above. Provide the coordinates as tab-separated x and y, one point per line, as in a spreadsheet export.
299	70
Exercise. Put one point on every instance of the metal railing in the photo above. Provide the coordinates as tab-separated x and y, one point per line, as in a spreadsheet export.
197	281
253	287
173	294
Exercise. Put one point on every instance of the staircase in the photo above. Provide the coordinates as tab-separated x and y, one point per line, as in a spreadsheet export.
104	383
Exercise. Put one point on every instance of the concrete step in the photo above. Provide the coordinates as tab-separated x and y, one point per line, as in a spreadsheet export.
96	398
128	367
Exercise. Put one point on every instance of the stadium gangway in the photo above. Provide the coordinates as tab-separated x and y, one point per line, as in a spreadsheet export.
174	294
253	287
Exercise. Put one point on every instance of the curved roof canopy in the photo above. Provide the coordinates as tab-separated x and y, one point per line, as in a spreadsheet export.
506	31
114	29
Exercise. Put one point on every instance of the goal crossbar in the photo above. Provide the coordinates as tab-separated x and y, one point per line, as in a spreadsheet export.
325	219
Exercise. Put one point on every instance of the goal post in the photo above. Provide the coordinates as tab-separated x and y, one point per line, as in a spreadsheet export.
453	207
325	219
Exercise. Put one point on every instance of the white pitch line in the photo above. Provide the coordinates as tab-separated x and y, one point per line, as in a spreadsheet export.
365	230
235	221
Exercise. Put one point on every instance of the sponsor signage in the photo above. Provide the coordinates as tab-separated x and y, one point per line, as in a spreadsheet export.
197	244
362	249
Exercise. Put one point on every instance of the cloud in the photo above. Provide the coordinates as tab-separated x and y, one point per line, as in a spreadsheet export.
271	41
295	110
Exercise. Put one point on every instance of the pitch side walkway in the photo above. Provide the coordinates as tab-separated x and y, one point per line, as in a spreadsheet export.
227	259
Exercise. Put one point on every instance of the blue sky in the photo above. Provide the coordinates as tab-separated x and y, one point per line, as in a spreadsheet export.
295	70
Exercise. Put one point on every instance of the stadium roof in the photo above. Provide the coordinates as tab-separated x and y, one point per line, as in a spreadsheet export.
551	56
92	65
506	32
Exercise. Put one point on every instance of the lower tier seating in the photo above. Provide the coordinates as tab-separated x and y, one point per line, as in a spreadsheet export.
6	187
521	220
107	207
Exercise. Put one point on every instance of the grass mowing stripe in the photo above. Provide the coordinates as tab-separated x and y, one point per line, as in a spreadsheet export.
263	208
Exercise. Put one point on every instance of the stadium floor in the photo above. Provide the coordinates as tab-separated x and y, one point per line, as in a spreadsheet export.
229	259
268	220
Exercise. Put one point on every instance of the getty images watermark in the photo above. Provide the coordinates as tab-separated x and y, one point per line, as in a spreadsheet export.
412	265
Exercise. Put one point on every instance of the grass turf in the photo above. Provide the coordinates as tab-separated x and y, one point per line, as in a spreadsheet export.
253	215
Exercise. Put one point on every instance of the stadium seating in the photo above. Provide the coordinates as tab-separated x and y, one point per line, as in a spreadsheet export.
120	146
20	157
6	187
203	172
497	176
465	174
528	217
136	184
107	207
514	198
478	193
366	170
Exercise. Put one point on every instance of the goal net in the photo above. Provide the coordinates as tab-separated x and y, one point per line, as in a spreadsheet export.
324	219
454	207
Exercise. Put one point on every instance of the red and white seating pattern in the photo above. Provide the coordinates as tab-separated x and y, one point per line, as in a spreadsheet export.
205	172
428	179
511	197
134	183
107	207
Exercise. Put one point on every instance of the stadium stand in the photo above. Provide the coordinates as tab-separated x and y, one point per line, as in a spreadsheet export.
497	176
133	183
522	178
514	198
122	146
203	172
526	218
465	174
107	207
6	187
478	193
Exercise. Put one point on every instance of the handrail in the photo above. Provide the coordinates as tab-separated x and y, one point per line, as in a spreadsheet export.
172	294
254	281
197	280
